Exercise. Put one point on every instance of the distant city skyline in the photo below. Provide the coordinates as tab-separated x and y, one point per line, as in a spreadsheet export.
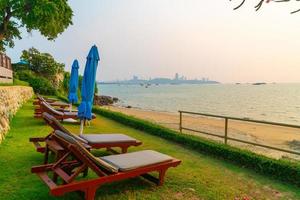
177	79
158	38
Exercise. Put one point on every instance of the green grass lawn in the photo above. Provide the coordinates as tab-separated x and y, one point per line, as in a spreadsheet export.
15	82
198	177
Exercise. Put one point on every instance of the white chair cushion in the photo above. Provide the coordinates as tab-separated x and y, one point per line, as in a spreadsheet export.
130	161
106	138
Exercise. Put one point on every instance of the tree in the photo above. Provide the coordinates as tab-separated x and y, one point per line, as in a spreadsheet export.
49	17
65	84
43	64
261	2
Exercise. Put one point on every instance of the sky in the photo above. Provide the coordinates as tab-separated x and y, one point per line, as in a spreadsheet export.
195	38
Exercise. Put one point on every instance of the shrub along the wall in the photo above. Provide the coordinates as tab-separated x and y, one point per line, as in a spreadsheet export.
39	84
283	170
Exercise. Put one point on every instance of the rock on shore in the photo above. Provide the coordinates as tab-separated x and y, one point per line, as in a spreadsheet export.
102	100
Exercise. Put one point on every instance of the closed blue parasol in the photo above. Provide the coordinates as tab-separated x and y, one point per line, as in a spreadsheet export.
88	85
73	84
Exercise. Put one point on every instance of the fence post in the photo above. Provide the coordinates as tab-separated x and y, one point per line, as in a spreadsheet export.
226	130
180	121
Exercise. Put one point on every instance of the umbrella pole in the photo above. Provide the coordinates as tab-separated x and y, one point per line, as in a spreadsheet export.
81	126
70	107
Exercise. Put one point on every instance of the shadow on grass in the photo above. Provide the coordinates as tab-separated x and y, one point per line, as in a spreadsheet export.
122	187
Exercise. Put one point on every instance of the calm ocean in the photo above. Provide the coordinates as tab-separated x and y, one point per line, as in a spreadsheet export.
271	102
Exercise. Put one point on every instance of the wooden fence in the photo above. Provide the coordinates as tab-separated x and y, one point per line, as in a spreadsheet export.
226	136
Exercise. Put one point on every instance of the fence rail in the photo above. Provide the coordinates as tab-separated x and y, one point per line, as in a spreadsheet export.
226	137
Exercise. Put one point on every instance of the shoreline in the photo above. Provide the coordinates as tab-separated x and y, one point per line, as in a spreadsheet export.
282	137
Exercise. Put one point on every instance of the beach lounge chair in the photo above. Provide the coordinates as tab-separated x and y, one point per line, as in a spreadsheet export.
51	101
94	141
59	115
41	98
60	106
108	168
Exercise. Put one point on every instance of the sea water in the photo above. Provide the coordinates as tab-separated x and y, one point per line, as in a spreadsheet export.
270	102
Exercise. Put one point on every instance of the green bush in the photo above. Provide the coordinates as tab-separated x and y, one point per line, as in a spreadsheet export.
39	84
23	75
64	90
280	169
65	83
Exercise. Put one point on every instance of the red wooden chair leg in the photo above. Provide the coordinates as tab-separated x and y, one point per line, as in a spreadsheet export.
124	149
85	172
58	155
162	176
46	155
90	193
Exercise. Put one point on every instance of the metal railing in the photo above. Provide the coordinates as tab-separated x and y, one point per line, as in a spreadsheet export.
227	138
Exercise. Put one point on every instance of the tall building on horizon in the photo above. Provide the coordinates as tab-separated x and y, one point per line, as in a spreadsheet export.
176	76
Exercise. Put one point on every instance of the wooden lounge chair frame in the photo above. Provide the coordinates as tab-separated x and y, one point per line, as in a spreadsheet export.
60	106
41	98
59	115
123	145
68	170
55	148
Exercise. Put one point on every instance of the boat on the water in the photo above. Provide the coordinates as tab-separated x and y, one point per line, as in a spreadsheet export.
260	83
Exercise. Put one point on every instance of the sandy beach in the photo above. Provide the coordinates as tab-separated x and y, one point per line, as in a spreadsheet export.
281	137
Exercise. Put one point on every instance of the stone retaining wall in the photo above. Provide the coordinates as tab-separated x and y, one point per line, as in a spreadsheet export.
11	99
